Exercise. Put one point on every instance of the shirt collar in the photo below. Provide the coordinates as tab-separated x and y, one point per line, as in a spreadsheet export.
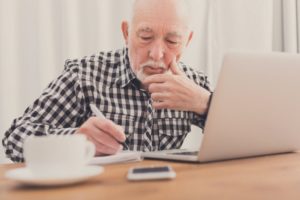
126	75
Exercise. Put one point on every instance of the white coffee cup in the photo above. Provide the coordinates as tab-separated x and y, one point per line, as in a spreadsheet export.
57	156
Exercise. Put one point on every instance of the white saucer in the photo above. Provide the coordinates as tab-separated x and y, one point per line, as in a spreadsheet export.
24	176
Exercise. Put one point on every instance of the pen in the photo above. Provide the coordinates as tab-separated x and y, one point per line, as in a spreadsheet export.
96	111
99	114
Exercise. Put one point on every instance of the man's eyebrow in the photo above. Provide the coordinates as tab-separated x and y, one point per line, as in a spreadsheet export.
144	29
174	34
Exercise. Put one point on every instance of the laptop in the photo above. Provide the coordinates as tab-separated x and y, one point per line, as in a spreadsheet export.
255	110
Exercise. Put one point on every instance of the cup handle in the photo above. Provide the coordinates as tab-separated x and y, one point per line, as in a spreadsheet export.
90	151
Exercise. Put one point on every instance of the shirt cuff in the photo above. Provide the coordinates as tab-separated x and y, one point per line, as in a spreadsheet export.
199	120
62	131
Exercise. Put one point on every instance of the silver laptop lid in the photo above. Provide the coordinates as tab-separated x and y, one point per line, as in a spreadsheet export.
255	109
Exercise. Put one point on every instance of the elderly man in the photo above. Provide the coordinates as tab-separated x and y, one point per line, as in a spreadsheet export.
149	98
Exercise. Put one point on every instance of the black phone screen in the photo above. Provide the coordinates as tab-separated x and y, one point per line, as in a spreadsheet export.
150	170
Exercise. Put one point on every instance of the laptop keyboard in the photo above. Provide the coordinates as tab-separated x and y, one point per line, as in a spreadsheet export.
191	153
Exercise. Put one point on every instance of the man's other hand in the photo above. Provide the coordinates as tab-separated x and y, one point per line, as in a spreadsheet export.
176	91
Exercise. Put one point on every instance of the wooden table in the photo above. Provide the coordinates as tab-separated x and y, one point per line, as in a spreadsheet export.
269	177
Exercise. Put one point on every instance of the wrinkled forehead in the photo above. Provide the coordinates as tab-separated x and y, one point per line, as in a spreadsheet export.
172	12
150	29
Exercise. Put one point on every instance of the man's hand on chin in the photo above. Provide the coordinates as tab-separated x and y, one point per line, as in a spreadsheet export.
176	91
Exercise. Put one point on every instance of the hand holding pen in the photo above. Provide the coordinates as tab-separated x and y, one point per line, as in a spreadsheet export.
99	114
105	134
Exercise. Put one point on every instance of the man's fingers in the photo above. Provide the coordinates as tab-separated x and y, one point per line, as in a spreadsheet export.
97	135
157	97
111	128
105	138
102	149
157	87
105	134
156	78
161	105
174	68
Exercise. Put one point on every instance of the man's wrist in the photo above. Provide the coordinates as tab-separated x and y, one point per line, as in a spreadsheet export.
203	103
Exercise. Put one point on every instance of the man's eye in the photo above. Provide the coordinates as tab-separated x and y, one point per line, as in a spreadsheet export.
172	42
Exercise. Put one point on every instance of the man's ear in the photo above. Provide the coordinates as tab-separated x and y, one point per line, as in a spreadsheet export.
124	28
190	38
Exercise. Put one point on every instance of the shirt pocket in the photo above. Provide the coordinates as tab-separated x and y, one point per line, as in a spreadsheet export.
172	132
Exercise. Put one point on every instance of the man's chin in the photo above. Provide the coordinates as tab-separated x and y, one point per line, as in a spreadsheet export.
141	76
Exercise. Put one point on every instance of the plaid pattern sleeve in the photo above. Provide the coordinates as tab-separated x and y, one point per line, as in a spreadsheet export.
106	80
56	111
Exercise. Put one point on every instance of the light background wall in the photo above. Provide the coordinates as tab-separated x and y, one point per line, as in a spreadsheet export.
36	36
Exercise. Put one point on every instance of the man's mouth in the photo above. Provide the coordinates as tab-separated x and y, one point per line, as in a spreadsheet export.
154	70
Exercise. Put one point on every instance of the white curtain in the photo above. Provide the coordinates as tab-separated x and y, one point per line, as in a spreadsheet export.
237	25
287	28
36	36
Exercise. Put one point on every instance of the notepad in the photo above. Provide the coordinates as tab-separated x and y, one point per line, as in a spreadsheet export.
123	156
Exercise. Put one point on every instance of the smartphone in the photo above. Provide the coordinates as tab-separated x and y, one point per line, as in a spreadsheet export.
150	173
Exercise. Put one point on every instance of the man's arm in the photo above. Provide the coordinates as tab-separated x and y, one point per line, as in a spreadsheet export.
63	109
58	111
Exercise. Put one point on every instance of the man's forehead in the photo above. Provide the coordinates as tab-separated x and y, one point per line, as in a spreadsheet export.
161	11
172	31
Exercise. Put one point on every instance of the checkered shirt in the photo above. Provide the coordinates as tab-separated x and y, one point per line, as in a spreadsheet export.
106	80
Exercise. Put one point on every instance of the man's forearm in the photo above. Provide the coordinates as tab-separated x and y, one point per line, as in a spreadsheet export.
14	138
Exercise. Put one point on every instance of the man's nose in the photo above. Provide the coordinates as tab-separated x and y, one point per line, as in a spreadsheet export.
157	51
